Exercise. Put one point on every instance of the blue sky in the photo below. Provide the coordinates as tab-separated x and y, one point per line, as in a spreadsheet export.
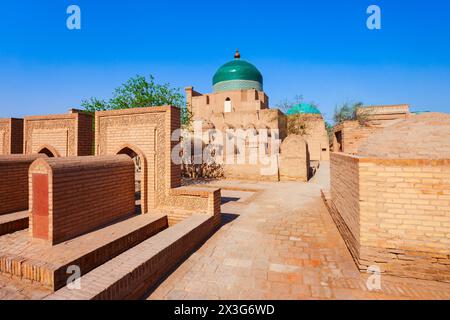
319	49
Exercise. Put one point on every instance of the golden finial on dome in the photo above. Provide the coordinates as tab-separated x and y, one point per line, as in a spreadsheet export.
237	55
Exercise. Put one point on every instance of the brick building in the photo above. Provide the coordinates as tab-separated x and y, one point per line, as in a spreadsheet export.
61	135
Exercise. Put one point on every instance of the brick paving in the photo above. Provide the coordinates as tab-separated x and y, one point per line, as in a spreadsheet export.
282	245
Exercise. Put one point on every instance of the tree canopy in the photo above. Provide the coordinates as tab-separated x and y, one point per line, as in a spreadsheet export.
138	92
347	111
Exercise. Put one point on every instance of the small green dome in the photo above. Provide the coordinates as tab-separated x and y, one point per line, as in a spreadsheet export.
303	108
237	75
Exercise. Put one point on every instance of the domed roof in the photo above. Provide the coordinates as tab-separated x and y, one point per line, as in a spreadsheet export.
424	136
303	108
237	75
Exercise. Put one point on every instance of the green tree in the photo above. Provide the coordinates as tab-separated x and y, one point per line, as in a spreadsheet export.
348	111
140	92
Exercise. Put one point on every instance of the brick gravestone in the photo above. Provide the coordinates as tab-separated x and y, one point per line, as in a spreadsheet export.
74	195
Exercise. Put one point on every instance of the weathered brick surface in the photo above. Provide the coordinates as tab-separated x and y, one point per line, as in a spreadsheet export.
63	135
398	211
84	193
14	182
11	136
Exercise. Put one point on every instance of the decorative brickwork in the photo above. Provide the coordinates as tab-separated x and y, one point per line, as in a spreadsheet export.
14	182
75	195
148	131
63	135
11	136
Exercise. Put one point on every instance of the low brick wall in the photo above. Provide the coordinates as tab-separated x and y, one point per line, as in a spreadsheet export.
133	273
344	175
398	212
14	182
13	222
186	201
74	195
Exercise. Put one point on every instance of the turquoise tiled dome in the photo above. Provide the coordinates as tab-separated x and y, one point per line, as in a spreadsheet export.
303	108
237	75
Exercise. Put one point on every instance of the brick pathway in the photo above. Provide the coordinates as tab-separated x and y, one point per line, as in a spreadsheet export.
282	245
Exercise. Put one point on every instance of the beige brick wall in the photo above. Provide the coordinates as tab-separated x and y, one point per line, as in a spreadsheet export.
397	210
84	193
353	134
405	204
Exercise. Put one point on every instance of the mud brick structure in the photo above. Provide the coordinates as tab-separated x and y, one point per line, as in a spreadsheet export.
294	159
74	195
348	135
63	135
391	202
14	182
11	136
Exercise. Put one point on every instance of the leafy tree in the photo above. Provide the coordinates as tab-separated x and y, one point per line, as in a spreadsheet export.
140	92
348	111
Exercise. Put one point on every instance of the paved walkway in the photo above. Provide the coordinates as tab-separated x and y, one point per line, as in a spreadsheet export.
281	245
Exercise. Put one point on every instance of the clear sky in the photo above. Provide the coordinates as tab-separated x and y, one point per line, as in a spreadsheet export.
319	49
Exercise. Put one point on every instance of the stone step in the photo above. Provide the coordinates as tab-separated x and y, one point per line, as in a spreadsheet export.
131	274
13	222
27	258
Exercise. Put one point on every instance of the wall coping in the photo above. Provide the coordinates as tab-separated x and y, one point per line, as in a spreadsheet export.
194	191
392	161
130	111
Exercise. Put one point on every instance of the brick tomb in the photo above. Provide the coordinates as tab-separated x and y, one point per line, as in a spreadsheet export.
391	202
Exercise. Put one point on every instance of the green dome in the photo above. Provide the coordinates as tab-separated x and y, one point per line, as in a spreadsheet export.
237	75
303	108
